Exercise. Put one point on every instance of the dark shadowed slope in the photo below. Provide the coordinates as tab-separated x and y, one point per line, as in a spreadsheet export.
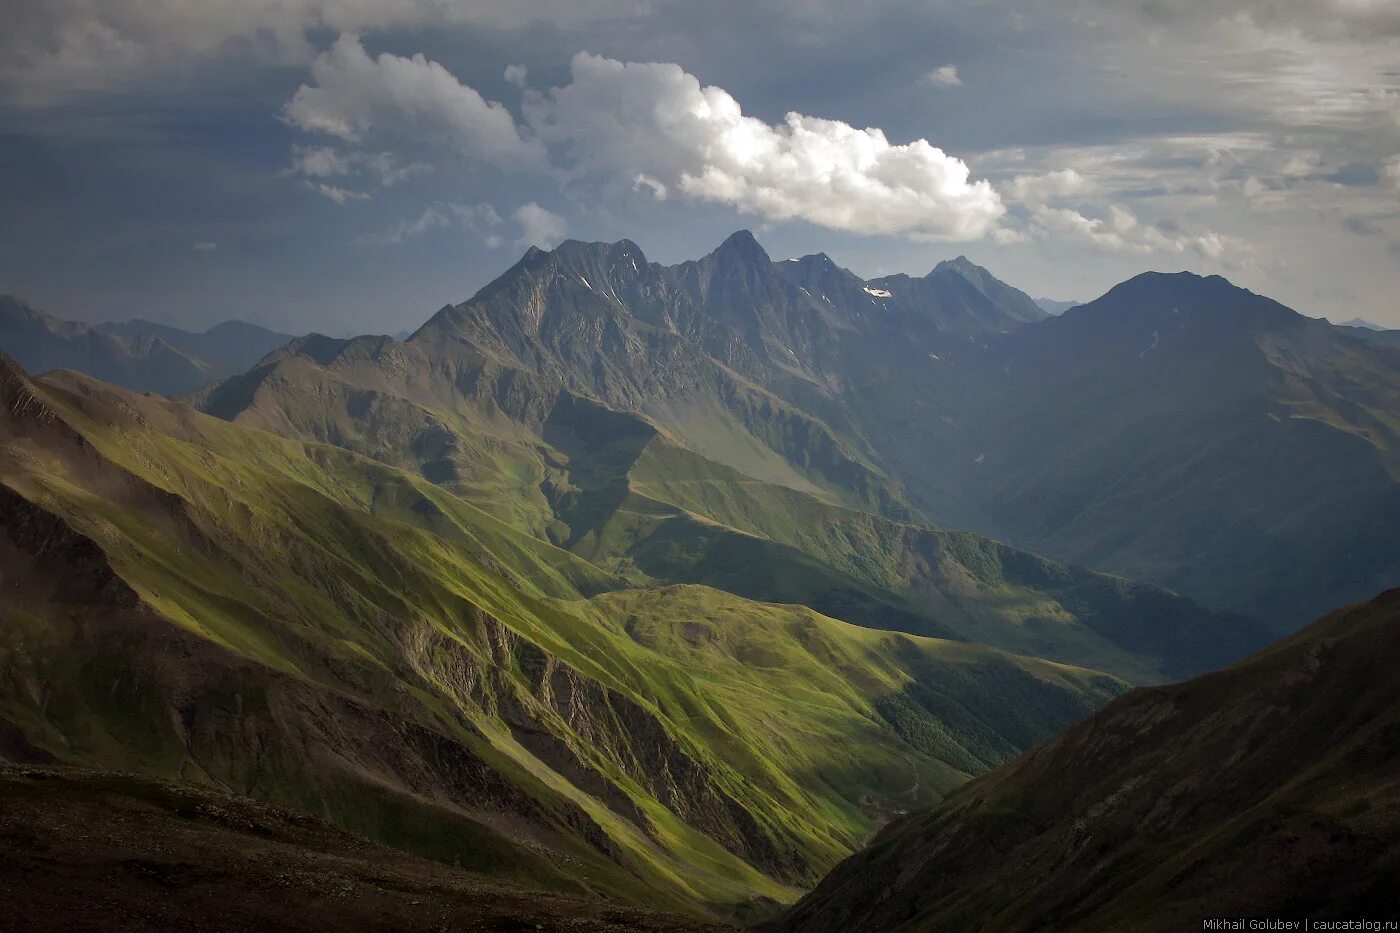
90	852
1271	788
1194	434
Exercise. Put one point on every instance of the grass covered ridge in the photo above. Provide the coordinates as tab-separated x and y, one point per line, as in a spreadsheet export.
325	631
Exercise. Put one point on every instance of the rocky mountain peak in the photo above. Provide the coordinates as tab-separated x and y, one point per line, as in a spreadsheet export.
961	265
740	246
1183	292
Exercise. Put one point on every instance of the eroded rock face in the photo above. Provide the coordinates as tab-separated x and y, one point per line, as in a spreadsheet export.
580	727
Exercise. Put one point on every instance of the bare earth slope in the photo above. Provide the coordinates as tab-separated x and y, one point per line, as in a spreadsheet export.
91	851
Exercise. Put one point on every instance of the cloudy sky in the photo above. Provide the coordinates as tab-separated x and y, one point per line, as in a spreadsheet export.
352	165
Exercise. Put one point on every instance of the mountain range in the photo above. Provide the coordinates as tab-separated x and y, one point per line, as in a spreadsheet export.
331	633
1051	306
137	354
1365	330
1141	433
668	584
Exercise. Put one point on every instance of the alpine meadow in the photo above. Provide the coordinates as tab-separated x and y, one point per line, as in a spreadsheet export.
657	580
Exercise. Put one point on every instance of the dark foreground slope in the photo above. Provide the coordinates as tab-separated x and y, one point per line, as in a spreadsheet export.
98	851
1271	788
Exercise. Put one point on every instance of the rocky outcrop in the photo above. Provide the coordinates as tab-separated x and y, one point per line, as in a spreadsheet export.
587	732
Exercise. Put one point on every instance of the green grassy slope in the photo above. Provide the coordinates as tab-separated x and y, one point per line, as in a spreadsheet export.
632	497
296	622
691	519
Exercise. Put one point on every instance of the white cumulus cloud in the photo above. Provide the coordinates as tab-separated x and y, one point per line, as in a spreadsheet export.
648	125
354	97
654	125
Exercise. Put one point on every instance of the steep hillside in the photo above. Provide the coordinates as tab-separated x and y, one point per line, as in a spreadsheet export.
1270	789
1177	430
638	501
689	519
193	599
1191	433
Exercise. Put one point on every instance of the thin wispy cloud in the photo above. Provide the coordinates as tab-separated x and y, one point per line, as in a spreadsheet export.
944	76
337	194
478	219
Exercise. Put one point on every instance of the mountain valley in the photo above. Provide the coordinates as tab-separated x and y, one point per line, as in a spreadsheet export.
666	585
